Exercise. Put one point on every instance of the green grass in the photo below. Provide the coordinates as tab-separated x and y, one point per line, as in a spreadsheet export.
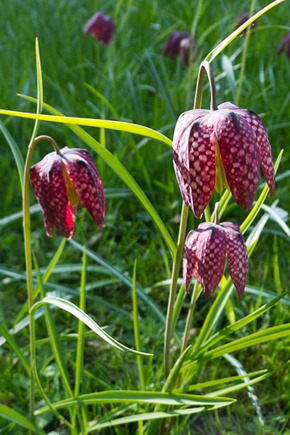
130	80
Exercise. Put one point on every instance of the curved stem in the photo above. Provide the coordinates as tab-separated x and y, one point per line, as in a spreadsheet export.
205	67
194	296
173	287
27	249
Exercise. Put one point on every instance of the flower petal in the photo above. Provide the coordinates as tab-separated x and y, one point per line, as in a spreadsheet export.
189	258
238	149
202	170
181	146
237	256
210	258
264	147
49	186
84	176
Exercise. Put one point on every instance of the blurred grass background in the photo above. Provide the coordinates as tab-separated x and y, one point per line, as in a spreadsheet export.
131	80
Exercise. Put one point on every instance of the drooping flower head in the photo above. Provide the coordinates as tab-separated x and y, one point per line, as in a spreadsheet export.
101	26
63	179
285	45
205	253
219	149
180	43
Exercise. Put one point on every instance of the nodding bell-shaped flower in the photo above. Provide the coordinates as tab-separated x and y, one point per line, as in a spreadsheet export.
172	45
285	45
101	26
63	179
205	254
217	149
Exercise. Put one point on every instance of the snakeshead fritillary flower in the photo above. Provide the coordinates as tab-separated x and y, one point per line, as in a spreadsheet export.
101	26
60	181
205	253
172	44
221	149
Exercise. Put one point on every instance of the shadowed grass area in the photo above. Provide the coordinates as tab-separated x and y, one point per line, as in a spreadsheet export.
130	80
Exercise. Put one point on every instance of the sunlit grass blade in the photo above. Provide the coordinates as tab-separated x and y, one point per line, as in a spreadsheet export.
251	340
86	319
262	197
15	151
214	383
18	419
89	122
54	337
239	324
137	329
145	417
121	396
81	328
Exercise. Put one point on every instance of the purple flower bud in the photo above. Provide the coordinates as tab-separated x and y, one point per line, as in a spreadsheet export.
179	43
205	253
285	45
220	149
101	26
62	180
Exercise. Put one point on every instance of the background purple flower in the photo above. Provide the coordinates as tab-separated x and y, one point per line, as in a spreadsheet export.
101	26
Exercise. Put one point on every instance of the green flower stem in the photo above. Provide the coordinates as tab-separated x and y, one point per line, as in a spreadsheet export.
27	250
204	67
173	287
194	296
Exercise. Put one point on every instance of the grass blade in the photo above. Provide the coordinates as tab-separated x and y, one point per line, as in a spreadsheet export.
17	418
87	320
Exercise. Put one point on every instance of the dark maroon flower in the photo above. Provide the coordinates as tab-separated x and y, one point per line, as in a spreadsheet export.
242	18
101	26
62	180
179	43
285	45
205	254
221	149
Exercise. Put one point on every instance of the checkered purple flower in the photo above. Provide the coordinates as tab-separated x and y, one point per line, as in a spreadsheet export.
220	149
205	253
63	179
101	26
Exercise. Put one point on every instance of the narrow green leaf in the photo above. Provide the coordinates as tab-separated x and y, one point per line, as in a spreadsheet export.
228	330
87	320
145	417
89	122
17	418
120	396
259	337
15	151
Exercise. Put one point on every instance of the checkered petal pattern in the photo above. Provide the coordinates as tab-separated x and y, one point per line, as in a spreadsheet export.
243	145
205	252
48	180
